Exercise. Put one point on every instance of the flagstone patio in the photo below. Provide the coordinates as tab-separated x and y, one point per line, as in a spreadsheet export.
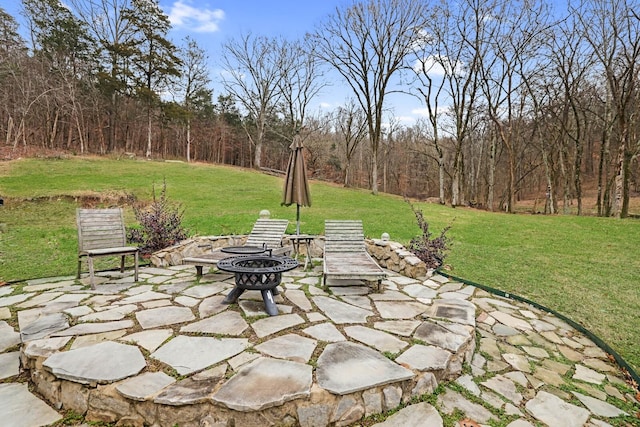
165	351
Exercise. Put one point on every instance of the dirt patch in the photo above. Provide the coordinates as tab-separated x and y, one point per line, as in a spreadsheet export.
85	200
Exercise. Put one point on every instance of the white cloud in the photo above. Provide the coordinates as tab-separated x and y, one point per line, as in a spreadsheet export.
183	15
325	105
435	66
442	111
405	119
422	112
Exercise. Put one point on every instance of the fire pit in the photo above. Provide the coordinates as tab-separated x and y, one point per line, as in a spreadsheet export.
259	273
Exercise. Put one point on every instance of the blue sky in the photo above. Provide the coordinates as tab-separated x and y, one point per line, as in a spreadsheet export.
212	22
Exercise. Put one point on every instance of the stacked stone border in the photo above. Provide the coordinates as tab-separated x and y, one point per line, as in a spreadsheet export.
390	255
104	403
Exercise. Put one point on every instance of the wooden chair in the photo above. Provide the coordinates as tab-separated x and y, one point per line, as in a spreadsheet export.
101	232
345	255
269	232
266	232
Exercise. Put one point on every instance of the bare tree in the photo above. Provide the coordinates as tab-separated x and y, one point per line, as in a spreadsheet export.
563	108
253	68
300	82
612	28
351	128
511	35
13	57
194	84
368	43
447	67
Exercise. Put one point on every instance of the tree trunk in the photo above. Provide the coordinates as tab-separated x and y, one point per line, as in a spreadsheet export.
441	173
148	152
456	184
549	194
188	140
512	181
619	187
257	155
578	176
603	174
565	178
374	169
492	174
347	173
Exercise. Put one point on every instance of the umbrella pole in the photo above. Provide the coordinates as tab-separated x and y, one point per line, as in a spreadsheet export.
297	218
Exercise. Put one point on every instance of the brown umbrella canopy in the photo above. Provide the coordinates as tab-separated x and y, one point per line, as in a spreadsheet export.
296	187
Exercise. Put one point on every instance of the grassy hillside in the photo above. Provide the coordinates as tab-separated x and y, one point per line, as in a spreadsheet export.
584	267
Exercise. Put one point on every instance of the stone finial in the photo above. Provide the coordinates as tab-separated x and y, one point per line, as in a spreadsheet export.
265	214
384	237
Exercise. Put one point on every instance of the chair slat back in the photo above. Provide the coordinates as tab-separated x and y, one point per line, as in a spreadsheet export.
344	236
269	231
100	229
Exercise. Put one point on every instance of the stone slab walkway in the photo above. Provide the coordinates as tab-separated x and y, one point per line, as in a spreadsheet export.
331	357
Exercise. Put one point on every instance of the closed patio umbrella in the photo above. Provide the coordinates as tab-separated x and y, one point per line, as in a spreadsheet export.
296	188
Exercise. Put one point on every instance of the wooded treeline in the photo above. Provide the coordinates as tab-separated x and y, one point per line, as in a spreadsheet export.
522	100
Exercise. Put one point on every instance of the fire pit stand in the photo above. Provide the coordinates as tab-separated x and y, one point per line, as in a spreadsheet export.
257	272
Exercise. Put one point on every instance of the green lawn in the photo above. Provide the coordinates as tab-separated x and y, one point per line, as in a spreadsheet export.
583	267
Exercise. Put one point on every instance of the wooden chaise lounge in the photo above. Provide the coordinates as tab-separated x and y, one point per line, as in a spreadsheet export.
265	232
345	254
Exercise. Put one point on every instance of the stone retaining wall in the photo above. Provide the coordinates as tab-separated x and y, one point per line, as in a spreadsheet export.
193	405
390	255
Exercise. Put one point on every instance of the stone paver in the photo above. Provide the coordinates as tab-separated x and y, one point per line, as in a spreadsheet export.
149	340
163	316
89	340
451	400
384	348
381	341
8	337
23	409
253	387
94	328
346	367
553	411
425	358
145	385
403	328
190	354
400	309
116	313
453	310
9	364
101	363
421	414
271	325
325	332
340	312
290	347
299	298
225	323
44	326
438	335
588	375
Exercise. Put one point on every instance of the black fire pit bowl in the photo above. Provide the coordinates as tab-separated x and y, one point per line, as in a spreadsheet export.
258	273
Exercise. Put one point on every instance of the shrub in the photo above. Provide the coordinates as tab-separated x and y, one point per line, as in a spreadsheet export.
160	224
432	251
